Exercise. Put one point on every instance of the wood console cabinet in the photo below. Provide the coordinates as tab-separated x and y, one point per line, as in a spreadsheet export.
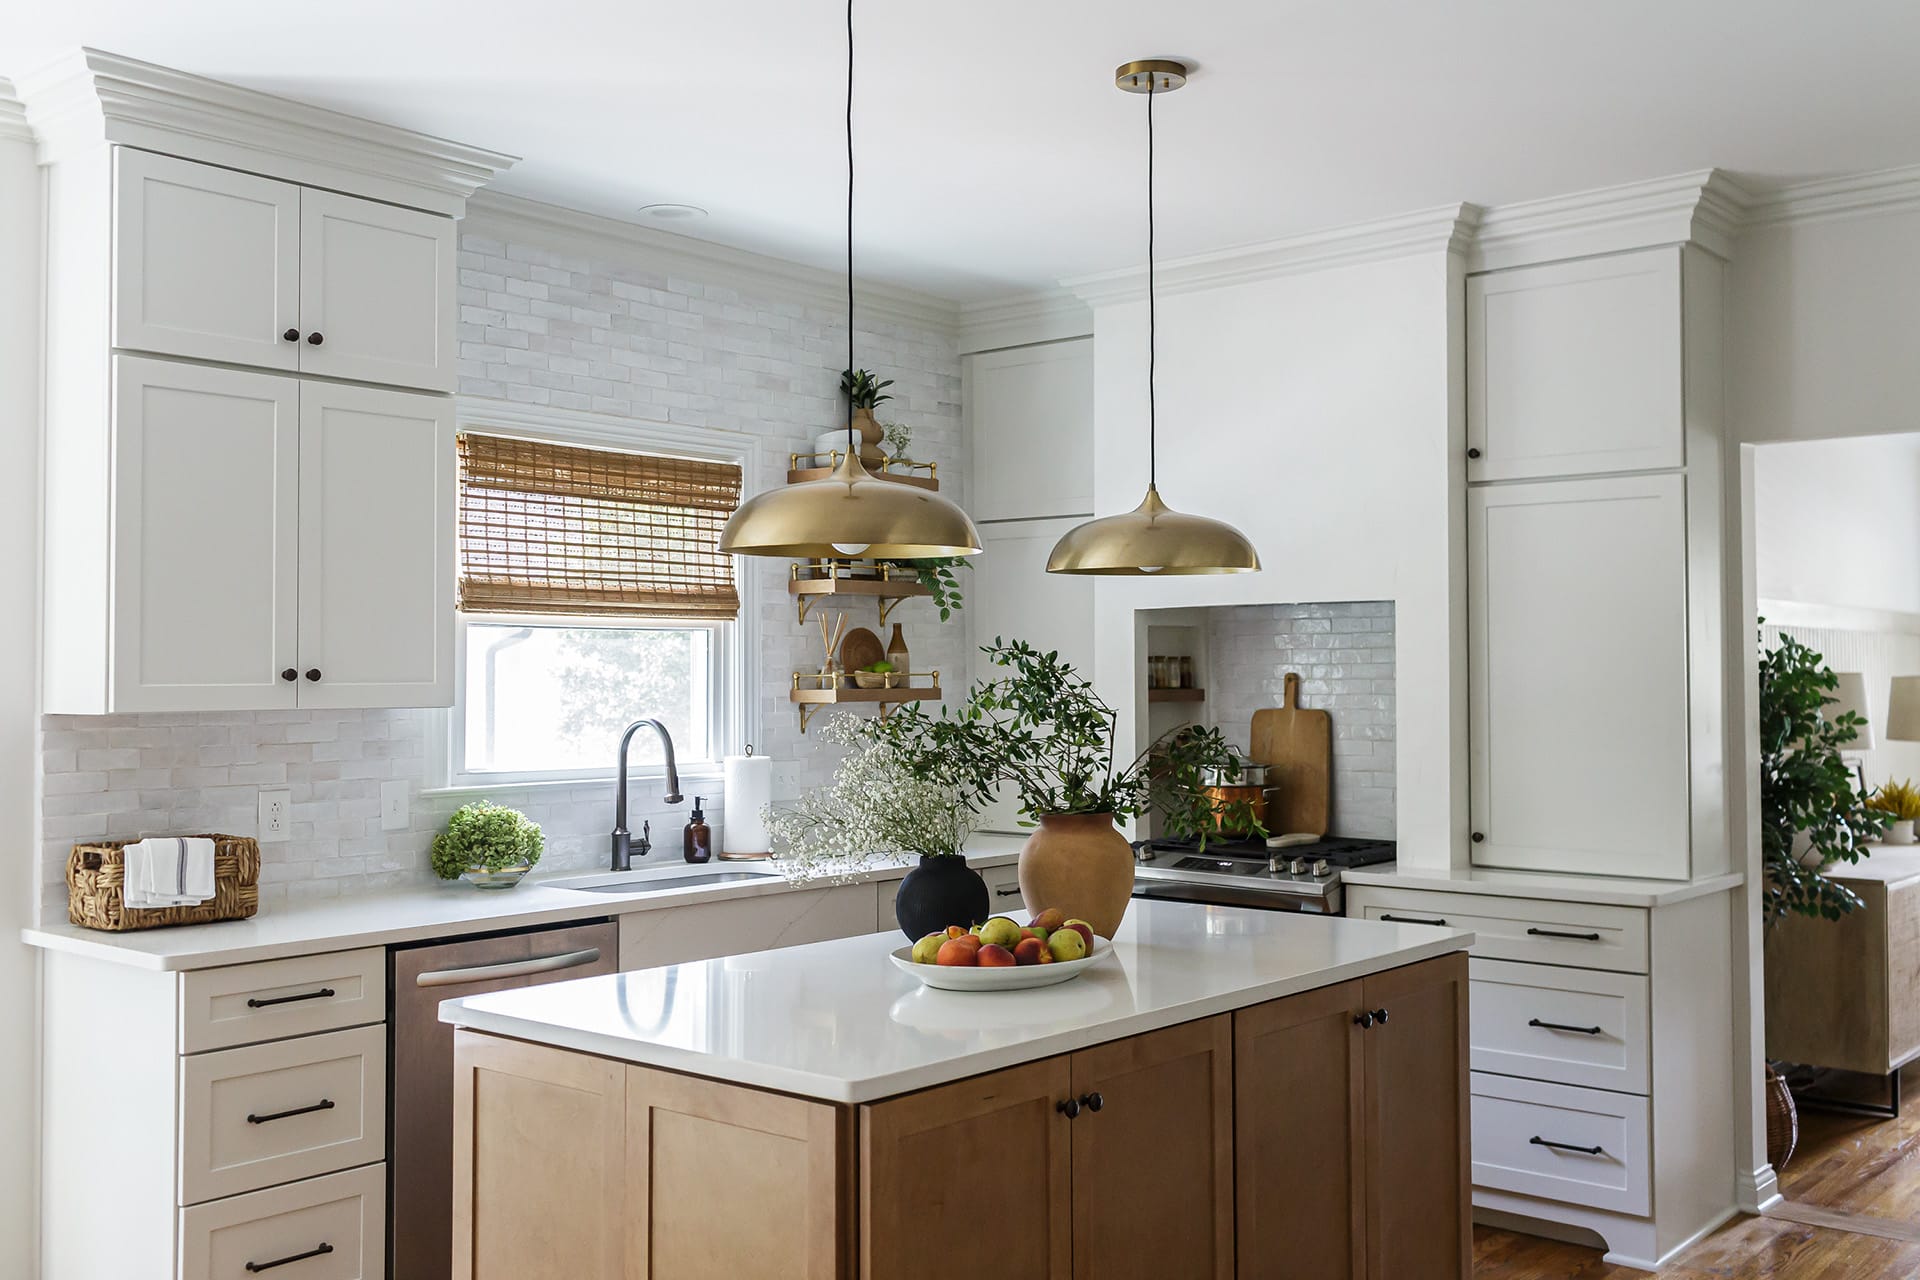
1305	1137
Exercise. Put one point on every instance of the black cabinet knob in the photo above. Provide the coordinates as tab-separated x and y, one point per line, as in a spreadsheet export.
289	674
314	339
1363	1020
1479	836
313	673
1092	1101
291	335
1473	453
1070	1108
1380	1016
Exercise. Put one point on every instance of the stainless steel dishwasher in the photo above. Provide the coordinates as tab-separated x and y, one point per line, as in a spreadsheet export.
420	1099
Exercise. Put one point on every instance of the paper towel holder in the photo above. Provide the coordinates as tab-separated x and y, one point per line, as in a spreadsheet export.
748	825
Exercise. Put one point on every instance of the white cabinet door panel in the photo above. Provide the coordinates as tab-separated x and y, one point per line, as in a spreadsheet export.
377	289
205	475
738	926
376	548
1030	417
1574	368
206	261
1578	599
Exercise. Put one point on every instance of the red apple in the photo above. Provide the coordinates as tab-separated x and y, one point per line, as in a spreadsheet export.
1085	930
1050	919
954	951
1029	951
995	956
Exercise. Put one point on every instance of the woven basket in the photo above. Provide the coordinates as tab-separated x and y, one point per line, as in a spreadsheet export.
96	876
1783	1120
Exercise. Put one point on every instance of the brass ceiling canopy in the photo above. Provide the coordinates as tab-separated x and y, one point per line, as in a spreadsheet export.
850	513
1153	538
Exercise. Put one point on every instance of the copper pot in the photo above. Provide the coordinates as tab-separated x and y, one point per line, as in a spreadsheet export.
1223	797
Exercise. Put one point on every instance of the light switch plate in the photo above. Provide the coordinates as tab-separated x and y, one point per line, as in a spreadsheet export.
274	816
393	805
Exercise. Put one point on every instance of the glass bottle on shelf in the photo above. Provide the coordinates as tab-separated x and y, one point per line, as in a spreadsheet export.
1186	672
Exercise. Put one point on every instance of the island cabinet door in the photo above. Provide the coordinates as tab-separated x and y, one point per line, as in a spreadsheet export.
1419	1170
976	1174
1153	1155
1299	1136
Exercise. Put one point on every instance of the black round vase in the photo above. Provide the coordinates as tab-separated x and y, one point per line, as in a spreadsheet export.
940	891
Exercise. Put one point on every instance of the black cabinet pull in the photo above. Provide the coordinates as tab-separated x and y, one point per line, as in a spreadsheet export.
1380	1016
325	1104
313	673
1473	453
254	1002
1092	1101
1556	933
1007	892
1363	1020
1561	1026
1479	837
291	335
315	339
1070	1108
1565	1146
1393	919
318	1251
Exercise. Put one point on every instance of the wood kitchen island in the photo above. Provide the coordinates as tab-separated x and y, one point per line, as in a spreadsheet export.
1233	1093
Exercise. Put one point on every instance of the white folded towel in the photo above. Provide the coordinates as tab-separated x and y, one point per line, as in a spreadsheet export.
168	871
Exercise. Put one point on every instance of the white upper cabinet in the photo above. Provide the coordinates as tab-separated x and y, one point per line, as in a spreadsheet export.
1577	592
376	548
1575	368
206	262
217	265
376	292
205	466
1030	418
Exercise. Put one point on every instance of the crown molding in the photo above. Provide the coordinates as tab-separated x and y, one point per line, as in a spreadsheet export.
1447	229
514	218
1705	207
13	114
1882	191
1022	320
90	98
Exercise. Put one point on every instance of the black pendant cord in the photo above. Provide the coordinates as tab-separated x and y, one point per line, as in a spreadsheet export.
1153	349
850	364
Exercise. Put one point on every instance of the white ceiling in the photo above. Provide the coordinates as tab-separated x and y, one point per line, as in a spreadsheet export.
995	154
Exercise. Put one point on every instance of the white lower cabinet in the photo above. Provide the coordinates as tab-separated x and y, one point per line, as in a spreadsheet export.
737	926
1575	1026
327	1228
1583	1146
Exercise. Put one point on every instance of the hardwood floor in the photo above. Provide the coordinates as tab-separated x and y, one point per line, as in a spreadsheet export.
1846	1168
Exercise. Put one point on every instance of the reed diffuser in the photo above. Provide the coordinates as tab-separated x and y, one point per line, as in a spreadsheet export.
829	664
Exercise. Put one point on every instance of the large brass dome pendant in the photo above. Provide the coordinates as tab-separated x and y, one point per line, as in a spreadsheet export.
850	513
1153	539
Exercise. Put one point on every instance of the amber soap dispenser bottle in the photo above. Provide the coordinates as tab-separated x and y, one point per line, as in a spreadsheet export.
697	842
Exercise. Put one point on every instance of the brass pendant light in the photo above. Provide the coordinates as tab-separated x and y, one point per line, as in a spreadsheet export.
1152	538
850	513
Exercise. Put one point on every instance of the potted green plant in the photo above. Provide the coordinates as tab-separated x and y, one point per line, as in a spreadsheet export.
488	846
1900	802
876	806
1814	812
897	437
1042	730
865	393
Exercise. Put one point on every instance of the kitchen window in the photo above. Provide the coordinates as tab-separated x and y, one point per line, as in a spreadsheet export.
591	593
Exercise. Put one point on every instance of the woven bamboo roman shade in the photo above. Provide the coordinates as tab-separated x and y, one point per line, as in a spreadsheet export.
557	529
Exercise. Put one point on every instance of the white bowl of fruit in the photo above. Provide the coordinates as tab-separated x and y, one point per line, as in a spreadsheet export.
1004	955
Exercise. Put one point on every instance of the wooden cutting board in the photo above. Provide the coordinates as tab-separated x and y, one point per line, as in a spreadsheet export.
1298	744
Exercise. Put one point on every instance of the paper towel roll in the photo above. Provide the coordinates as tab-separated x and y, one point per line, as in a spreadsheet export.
749	783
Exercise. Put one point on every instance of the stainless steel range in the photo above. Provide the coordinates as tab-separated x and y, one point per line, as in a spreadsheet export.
1296	876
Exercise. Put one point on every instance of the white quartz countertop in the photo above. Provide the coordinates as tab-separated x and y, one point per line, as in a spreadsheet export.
1606	890
431	911
837	1021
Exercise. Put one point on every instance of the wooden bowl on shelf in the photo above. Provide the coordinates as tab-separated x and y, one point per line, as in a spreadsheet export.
870	679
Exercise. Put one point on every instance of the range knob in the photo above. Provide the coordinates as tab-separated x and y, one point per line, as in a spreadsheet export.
1320	868
1298	866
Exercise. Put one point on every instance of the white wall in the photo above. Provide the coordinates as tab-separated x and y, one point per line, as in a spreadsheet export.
1317	413
19	560
1837	522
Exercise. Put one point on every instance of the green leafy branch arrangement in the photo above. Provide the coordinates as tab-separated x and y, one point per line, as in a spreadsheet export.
935	573
1806	789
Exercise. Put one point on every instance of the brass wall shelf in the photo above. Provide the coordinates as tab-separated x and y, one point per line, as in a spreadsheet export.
802	467
886	585
810	700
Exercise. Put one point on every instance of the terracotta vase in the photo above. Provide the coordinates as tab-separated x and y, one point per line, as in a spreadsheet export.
870	436
1080	863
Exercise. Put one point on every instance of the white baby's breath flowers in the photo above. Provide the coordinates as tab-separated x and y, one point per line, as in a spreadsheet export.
874	809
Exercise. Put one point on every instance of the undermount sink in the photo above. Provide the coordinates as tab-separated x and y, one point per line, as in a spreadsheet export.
656	881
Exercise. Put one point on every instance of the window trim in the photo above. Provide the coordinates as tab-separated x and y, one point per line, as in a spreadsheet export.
737	714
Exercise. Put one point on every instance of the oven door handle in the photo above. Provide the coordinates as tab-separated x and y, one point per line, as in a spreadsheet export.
510	969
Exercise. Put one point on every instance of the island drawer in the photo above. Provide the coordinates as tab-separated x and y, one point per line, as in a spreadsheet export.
1582	935
248	1003
1003	889
1570	1026
271	1113
1558	1142
326	1228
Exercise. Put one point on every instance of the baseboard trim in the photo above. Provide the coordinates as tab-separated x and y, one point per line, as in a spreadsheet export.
1757	1190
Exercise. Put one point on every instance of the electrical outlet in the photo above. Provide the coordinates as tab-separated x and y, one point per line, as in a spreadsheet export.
274	817
393	805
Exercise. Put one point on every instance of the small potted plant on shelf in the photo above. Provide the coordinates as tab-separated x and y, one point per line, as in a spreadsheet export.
875	806
896	437
1044	731
488	846
1900	802
865	393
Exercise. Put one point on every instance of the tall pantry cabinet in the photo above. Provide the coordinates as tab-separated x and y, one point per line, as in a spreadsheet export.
1594	545
249	452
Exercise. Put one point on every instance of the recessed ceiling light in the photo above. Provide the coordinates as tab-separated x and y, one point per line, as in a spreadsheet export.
672	212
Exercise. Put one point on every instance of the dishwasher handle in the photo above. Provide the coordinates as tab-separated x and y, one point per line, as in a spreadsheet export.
509	969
